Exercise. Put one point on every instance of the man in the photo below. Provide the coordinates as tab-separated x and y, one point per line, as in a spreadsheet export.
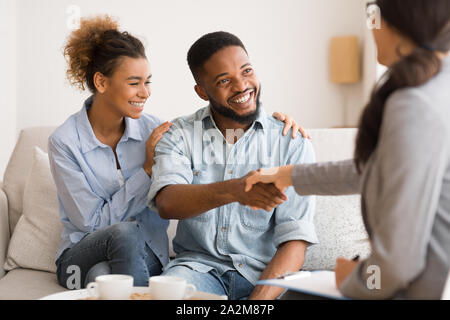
227	239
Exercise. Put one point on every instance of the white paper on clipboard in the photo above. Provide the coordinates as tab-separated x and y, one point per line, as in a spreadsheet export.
318	283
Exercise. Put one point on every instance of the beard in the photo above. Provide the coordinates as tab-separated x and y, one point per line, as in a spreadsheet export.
231	114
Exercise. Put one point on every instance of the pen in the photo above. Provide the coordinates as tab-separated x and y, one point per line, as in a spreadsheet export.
295	275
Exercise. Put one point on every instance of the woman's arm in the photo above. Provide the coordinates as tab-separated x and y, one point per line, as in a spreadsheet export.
328	178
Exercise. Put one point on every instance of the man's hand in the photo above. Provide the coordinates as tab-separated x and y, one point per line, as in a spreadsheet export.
261	196
280	177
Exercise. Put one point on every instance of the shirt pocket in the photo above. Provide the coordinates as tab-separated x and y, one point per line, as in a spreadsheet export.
256	220
203	175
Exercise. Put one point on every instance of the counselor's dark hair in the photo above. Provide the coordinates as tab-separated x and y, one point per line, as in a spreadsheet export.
206	46
98	46
427	24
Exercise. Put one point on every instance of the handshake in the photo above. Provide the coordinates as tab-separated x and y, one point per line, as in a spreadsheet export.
264	188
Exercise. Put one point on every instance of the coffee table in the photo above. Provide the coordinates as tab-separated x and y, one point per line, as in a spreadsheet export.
83	294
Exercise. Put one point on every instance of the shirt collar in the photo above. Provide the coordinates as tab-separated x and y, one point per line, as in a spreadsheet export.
259	123
87	137
132	130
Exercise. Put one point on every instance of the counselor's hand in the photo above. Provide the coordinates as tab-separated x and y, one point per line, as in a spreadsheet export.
280	177
343	269
151	143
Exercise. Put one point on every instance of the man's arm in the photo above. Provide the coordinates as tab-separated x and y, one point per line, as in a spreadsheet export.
289	257
183	201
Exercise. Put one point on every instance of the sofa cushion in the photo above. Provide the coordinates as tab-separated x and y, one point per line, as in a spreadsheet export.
37	235
25	284
341	232
19	167
333	144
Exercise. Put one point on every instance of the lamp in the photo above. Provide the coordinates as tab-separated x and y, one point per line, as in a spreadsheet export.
345	64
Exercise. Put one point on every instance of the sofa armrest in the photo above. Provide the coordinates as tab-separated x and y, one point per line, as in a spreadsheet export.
4	229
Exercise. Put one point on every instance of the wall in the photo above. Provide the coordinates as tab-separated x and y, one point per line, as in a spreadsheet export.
8	94
287	41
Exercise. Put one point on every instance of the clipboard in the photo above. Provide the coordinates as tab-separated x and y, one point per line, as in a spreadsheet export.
318	283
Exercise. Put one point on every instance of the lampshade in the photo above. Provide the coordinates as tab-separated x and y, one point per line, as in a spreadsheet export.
345	62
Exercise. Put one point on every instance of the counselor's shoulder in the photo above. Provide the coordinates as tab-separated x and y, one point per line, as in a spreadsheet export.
413	109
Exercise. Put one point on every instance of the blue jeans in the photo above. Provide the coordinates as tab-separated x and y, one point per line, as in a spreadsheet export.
231	283
117	249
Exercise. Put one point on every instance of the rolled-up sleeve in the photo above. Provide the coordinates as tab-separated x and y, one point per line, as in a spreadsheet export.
172	163
295	218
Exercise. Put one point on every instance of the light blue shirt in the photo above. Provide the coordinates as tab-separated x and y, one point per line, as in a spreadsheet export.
89	190
232	237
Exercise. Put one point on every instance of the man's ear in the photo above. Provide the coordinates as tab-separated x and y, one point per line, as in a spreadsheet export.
100	82
201	92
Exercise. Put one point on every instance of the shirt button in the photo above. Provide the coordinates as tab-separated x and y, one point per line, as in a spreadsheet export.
230	171
224	229
240	265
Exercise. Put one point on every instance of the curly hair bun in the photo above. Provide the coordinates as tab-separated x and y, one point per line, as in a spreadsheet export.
96	47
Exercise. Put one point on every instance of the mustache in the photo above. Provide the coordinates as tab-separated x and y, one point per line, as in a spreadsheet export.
242	92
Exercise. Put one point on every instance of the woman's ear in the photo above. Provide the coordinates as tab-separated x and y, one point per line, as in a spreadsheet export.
100	82
201	92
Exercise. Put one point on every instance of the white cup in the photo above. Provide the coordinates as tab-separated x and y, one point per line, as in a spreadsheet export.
170	288
111	287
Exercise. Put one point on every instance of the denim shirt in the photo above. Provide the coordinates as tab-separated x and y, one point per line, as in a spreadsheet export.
89	191
232	237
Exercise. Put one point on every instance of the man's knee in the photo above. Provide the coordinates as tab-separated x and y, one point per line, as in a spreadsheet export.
204	282
191	276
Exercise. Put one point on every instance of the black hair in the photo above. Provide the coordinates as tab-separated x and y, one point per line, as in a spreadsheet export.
427	24
206	46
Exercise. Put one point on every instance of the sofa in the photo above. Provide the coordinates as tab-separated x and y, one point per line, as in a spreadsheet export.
30	229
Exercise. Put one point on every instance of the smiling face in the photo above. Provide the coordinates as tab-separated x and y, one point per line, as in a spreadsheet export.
229	83
128	88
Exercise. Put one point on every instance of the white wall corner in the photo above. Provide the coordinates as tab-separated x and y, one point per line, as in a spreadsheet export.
8	83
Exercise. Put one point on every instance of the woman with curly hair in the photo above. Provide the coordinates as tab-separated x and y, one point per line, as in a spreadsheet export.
101	159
